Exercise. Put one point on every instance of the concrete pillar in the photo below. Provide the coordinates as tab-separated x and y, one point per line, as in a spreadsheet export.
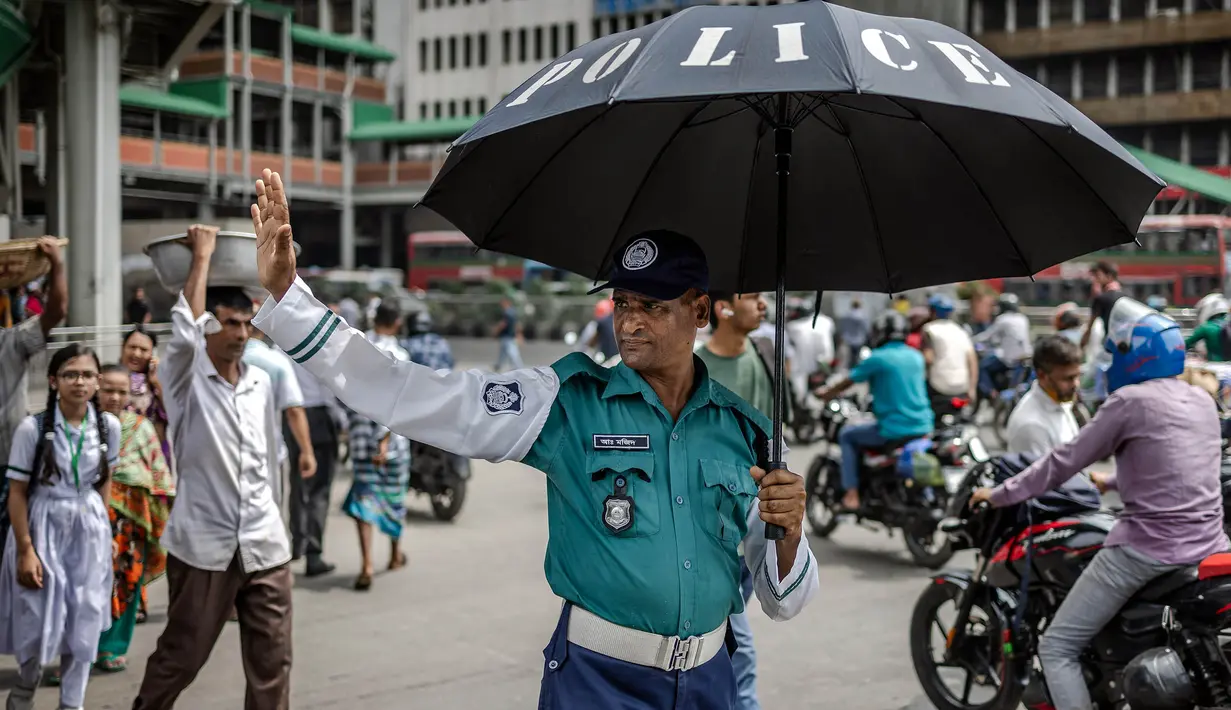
205	211
228	54
1010	15
245	111
1224	147
53	141
326	15
1148	84
12	129
1113	77
1044	14
348	173
976	17
92	131
1114	13
1079	12
1078	90
288	80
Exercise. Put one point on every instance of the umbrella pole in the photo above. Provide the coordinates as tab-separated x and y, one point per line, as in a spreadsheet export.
782	153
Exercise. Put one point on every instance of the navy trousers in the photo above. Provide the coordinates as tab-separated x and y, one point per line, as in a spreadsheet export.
575	677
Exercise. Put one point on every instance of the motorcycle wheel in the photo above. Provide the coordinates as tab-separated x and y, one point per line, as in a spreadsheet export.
447	504
819	504
804	428
977	664
931	550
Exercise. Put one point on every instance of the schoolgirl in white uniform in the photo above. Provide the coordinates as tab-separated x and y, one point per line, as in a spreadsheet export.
55	578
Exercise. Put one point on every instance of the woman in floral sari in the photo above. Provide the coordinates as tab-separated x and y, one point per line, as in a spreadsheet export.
145	398
141	492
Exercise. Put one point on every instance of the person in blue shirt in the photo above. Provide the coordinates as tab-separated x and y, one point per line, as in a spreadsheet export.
651	471
896	374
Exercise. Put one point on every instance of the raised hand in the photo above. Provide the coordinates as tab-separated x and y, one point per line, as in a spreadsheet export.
271	220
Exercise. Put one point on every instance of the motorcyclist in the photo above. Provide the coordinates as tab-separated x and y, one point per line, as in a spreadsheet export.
895	373
1067	322
949	351
1165	436
1009	337
1211	318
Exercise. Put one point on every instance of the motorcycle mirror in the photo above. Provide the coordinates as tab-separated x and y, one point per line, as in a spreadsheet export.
978	452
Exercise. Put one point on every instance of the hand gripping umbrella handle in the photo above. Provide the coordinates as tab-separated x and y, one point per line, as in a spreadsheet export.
772	532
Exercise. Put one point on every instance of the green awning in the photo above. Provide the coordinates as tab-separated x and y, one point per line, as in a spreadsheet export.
444	129
1178	174
137	96
15	41
344	44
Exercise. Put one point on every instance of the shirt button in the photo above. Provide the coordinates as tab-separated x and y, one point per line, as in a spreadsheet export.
687	564
731	487
619	481
687	625
679	500
675	437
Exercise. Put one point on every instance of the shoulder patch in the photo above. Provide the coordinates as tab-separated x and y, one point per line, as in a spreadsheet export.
579	364
503	397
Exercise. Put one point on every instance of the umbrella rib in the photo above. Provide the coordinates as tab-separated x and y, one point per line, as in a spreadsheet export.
867	195
646	178
1131	232
986	200
756	158
529	183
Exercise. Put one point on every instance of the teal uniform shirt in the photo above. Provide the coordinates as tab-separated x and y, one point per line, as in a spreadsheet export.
896	374
601	435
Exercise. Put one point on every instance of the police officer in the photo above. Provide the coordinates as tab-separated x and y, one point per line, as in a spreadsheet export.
651	482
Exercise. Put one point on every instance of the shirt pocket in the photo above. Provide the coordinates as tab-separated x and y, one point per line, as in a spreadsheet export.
634	471
729	493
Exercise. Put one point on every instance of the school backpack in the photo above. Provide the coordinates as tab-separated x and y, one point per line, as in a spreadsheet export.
4	485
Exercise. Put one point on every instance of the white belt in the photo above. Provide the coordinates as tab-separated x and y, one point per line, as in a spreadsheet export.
666	653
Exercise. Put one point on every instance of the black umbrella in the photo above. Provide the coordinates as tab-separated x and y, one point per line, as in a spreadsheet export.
913	157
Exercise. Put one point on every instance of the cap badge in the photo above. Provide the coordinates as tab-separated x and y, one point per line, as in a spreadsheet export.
640	254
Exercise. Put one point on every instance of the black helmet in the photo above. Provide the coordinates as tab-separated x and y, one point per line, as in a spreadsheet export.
1157	679
421	323
888	326
1008	302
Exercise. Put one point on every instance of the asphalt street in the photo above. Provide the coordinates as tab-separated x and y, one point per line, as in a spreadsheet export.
463	627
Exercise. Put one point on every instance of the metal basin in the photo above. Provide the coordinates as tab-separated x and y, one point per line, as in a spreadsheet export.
233	263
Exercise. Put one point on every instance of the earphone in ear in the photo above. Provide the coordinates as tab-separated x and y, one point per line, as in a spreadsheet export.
728	312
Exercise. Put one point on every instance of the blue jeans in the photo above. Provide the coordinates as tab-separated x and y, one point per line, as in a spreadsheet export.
989	367
851	440
509	355
744	661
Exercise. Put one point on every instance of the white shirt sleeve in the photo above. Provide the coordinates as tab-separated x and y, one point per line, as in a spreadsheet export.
780	599
286	389
21	462
187	338
474	414
113	439
1027	436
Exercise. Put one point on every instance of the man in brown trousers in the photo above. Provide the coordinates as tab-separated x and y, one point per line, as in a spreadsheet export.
227	546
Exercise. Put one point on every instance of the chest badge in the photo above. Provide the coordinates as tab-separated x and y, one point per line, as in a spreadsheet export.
618	507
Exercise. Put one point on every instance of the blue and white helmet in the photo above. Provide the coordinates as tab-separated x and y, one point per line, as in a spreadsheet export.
941	304
1144	345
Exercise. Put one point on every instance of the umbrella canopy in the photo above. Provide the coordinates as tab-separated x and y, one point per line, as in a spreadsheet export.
917	157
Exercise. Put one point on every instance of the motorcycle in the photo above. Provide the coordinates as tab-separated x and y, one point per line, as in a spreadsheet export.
1010	386
914	504
440	475
1160	652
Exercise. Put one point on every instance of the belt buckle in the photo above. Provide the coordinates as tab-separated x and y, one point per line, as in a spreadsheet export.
680	656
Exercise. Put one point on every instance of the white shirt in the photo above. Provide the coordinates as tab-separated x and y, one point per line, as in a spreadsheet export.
1010	335
813	343
68	438
952	347
471	413
1039	424
226	447
282	378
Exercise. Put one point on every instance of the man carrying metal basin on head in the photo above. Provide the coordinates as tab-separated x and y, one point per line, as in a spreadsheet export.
651	471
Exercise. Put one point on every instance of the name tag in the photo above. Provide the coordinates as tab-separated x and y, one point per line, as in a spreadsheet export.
621	442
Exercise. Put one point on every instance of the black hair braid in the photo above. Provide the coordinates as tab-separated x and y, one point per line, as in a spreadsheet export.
47	468
104	468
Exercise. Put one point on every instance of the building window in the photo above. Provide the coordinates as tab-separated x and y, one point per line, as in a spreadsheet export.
506	47
570	36
422	110
1132	9
452	109
1094	11
522	45
466	107
993	15
538	44
422	4
1168	65
483	50
1060	76
630	22
453	52
1165	5
436	53
596	29
1094	77
422	56
1166	141
436	110
1060	12
1027	14
555	41
613	25
482	104
467	49
1207	66
647	18
1203	143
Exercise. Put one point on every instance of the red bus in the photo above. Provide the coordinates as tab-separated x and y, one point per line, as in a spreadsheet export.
1178	257
438	257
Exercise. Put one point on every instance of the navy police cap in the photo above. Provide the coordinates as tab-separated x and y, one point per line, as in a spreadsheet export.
661	264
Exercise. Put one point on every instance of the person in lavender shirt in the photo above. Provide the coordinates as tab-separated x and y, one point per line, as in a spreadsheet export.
1166	438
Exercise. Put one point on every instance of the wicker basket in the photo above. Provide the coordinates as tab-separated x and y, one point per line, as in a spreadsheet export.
21	262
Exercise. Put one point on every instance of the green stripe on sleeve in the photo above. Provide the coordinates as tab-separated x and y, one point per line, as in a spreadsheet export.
320	343
311	336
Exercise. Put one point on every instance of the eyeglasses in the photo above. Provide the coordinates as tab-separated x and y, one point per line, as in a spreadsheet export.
75	376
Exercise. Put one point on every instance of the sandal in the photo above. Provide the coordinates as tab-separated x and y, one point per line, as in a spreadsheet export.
142	617
111	664
363	583
398	562
52	679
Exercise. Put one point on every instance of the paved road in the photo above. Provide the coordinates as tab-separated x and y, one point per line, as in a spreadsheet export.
464	625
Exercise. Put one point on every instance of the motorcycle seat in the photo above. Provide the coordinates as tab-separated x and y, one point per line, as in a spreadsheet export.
893	446
1163	585
1216	565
